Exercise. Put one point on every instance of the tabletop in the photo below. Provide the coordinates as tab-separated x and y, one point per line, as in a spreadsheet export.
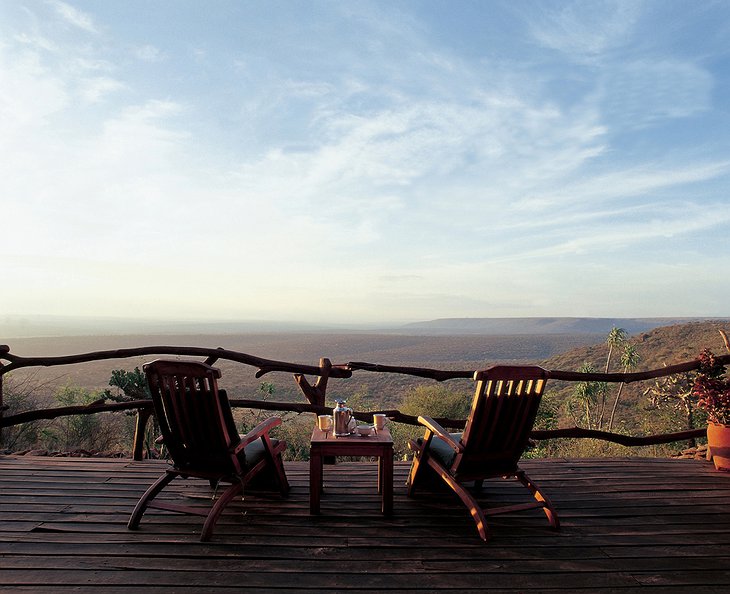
382	437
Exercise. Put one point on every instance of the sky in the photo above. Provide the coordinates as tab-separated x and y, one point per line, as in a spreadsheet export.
364	162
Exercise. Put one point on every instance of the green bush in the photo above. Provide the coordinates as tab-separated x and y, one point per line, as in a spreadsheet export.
431	400
95	432
20	396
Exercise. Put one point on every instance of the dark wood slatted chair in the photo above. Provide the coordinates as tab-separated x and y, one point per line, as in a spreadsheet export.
496	434
200	434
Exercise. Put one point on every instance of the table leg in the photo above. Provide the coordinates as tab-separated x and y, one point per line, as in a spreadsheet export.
315	480
387	482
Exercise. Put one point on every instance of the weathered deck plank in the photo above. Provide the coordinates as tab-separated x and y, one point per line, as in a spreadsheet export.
628	525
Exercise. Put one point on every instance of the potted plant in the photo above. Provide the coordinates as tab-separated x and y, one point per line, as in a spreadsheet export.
712	389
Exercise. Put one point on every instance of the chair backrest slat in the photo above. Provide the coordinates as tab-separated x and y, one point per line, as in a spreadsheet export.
502	414
195	418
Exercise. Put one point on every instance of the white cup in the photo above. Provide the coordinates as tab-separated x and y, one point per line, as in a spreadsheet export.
324	422
379	421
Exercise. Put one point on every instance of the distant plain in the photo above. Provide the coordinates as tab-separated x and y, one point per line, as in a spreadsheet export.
467	352
458	344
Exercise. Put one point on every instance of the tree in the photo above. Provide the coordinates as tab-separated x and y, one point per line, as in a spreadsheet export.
676	391
582	403
436	401
132	385
629	360
616	337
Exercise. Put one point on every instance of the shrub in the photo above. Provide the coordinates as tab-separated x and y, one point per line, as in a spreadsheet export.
20	396
712	388
85	432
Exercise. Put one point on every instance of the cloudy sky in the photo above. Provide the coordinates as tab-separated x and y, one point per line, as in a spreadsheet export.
364	162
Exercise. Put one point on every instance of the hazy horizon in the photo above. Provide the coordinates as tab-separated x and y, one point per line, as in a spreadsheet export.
364	163
12	327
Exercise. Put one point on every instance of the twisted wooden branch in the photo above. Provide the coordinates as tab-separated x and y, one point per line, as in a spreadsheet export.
435	374
101	406
626	440
79	409
723	334
570	376
393	414
316	394
326	369
264	365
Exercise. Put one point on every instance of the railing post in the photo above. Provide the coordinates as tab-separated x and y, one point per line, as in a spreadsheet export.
143	415
4	349
2	406
316	394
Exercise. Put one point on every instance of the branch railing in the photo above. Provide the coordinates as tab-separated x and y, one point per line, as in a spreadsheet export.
316	393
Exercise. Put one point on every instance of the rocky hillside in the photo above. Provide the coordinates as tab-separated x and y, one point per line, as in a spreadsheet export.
541	326
661	346
658	347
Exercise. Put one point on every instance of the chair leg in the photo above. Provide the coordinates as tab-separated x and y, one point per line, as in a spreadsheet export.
217	510
148	496
279	470
548	508
467	499
416	465
273	463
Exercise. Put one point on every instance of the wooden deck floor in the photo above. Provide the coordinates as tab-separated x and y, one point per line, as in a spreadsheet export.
629	525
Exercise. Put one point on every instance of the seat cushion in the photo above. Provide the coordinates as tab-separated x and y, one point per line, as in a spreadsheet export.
255	451
441	450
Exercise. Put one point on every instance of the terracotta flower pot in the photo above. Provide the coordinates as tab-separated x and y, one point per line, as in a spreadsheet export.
718	442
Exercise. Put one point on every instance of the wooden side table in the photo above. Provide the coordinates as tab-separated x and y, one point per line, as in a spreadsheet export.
326	444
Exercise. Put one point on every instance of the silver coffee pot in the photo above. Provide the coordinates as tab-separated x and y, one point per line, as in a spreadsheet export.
344	421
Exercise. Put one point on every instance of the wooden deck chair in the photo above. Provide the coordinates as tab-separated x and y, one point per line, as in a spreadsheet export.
199	432
496	434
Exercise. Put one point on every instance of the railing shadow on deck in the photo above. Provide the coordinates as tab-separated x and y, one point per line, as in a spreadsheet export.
315	393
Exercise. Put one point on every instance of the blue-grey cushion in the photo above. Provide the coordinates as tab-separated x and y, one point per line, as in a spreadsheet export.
441	450
255	451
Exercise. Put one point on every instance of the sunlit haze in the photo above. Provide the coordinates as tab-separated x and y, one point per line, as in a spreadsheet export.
364	162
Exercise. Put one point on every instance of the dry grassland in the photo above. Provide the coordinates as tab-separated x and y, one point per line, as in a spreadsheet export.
441	352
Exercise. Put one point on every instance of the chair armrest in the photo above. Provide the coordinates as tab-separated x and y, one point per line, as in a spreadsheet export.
257	432
439	431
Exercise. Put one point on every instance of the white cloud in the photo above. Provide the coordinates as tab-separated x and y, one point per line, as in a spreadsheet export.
634	181
583	30
644	91
417	182
149	53
29	92
85	64
660	223
36	41
74	16
95	89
